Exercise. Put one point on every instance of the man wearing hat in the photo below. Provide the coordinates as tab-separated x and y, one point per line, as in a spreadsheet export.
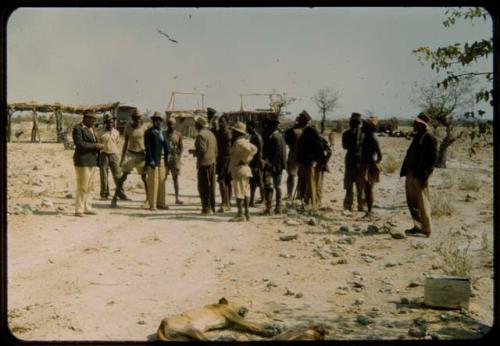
223	136
155	146
352	139
371	156
132	154
273	162
417	168
174	139
85	158
312	161
292	136
109	137
241	153
205	152
212	120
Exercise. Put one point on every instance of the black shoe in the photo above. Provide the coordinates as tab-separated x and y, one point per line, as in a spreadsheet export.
113	203
416	232
123	197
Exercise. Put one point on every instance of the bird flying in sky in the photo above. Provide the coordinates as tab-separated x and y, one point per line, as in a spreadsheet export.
166	35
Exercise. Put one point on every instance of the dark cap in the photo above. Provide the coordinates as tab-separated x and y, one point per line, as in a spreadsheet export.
423	118
211	111
355	116
304	115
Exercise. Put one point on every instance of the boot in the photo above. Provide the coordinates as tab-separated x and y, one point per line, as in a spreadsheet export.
268	202
118	189
252	195
245	204
239	217
277	209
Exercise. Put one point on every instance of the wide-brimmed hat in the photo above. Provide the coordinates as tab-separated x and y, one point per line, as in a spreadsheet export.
240	127
201	121
211	111
304	115
356	116
137	114
423	118
371	121
157	115
90	114
107	117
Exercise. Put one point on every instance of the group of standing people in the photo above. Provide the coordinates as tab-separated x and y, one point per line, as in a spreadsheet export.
242	160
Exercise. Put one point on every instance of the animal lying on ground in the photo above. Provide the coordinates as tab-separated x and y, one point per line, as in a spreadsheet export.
193	324
313	332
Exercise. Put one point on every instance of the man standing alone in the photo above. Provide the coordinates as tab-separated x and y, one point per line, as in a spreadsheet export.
205	152
85	160
417	167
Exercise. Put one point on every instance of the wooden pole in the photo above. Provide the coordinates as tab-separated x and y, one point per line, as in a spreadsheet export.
35	133
59	126
9	124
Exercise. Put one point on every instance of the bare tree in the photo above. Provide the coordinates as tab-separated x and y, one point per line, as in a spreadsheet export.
281	101
444	106
326	100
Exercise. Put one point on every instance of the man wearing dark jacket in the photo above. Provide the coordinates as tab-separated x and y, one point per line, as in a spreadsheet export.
223	136
205	151
85	160
310	157
417	168
155	146
256	180
273	162
352	140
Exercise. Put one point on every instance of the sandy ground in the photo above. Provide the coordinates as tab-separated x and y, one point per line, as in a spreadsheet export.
114	276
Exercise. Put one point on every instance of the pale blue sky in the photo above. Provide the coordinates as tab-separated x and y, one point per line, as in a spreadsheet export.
88	56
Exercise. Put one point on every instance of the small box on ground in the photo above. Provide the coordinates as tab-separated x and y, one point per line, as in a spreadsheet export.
443	291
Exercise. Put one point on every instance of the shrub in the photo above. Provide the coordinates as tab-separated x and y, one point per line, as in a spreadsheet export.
470	182
456	259
441	205
390	164
447	180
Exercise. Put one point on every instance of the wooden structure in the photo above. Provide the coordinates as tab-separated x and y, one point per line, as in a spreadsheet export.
185	118
57	110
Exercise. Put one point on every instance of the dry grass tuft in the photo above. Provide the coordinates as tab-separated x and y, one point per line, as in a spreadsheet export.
390	164
470	183
447	181
456	259
441	205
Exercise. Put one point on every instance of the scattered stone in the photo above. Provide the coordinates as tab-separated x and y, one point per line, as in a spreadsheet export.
343	230
367	259
364	320
397	235
327	240
418	245
35	168
141	322
419	321
339	261
289	292
445	317
292	222
312	221
390	264
47	203
434	336
68	195
414	284
436	266
405	301
322	253
286	255
271	284
372	229
299	295
288	237
346	240
416	332
358	301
